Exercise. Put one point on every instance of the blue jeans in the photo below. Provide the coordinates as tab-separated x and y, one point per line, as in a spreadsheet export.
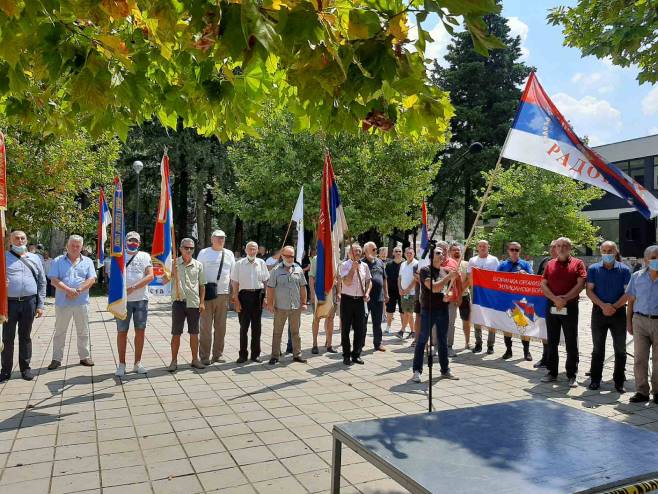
439	318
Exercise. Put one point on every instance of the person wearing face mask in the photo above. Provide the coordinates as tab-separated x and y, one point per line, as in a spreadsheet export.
248	278
26	294
606	288
642	323
355	294
564	279
139	273
286	299
72	274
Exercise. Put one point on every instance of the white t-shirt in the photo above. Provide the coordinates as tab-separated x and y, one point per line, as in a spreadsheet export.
211	258
135	272
490	263
407	275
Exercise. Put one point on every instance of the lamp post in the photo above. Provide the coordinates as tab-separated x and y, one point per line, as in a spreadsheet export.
137	166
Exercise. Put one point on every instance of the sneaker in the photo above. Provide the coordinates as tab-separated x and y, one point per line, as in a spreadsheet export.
477	348
27	374
572	382
241	360
594	386
400	334
449	375
388	330
197	364
451	352
620	389
416	377
173	366
347	361
315	350
548	378
121	370
139	368
540	364
87	362
273	361
490	350
508	354
527	356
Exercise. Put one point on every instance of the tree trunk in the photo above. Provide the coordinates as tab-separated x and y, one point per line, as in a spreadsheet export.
201	225
209	214
238	235
180	202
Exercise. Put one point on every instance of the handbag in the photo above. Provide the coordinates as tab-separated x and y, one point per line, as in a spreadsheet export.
211	287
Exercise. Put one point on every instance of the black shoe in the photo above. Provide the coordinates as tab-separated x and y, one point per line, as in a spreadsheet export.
620	389
540	364
273	361
358	360
477	348
347	361
528	356
507	354
241	360
331	350
315	350
54	365
256	360
490	350
27	374
594	385
639	398
4	376
299	359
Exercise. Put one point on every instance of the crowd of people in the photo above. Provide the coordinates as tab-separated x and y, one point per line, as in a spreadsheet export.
369	287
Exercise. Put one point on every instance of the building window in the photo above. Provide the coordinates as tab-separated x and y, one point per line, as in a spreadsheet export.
636	170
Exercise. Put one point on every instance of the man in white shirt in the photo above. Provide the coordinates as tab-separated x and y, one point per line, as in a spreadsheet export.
483	260
407	289
248	277
217	265
139	273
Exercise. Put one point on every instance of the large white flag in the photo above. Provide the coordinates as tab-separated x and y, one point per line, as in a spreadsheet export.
298	218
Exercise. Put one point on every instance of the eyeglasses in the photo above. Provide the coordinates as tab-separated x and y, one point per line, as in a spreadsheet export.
397	252
187	248
514	249
287	257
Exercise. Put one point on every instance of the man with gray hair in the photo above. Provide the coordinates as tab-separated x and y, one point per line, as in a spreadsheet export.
606	288
642	323
26	294
187	302
72	275
483	260
378	295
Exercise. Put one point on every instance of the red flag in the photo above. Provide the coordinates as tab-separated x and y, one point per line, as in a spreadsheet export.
325	264
4	304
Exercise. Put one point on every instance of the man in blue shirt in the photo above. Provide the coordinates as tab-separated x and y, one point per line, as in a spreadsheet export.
606	287
514	264
642	323
26	294
72	274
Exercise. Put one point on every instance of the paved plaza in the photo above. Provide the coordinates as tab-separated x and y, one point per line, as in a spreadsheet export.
242	428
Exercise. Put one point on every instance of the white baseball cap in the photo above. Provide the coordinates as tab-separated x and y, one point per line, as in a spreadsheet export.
218	233
133	235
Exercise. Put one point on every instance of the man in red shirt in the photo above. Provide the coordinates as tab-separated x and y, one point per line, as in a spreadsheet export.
564	279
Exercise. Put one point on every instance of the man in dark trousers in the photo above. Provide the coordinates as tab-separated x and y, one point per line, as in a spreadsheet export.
355	293
378	294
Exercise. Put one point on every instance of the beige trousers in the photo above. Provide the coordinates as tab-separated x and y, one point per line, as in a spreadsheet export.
645	340
214	317
280	318
63	316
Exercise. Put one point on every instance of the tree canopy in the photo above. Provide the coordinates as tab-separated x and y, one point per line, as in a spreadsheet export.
534	206
626	32
334	64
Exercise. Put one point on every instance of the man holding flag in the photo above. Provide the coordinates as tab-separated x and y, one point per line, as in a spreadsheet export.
104	220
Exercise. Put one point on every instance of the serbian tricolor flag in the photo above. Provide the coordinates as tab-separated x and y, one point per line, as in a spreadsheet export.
540	136
104	220
509	302
4	302
117	298
331	231
424	234
162	248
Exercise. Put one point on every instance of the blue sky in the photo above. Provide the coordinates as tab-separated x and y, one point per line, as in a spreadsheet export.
602	101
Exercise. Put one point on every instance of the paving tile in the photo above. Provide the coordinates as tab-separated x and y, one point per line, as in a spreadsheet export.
265	471
75	483
286	485
214	461
222	479
123	476
247	456
34	471
29	456
188	485
171	468
76	465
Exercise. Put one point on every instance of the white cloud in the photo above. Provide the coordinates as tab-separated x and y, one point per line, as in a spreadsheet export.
519	28
437	49
594	81
590	116
650	102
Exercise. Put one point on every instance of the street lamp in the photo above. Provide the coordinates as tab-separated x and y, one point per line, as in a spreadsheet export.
137	166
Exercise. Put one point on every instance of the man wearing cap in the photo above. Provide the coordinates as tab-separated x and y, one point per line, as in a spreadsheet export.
248	277
26	290
139	273
217	265
187	296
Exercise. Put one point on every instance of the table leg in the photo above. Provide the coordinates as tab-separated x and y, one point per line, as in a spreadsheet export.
335	467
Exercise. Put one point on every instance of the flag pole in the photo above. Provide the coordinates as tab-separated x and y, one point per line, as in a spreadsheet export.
283	244
174	252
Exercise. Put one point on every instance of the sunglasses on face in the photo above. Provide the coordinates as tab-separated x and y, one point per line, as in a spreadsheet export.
287	256
187	248
514	250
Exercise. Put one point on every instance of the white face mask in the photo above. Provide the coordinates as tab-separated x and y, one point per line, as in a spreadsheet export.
288	263
19	249
251	258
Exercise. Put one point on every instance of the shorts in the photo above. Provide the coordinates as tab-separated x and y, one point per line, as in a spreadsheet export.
407	304
180	313
392	302
465	308
138	311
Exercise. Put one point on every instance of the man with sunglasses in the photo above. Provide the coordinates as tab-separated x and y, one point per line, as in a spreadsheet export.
187	297
514	264
394	299
378	294
286	299
139	273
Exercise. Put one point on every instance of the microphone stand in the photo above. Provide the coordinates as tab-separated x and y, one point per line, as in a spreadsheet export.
431	246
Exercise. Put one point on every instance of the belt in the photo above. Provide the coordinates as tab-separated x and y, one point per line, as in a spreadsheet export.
645	315
351	297
251	289
21	299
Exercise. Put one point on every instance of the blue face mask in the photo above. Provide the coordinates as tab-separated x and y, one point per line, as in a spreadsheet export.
608	258
653	264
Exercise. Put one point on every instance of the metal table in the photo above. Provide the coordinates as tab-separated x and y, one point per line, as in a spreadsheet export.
527	446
